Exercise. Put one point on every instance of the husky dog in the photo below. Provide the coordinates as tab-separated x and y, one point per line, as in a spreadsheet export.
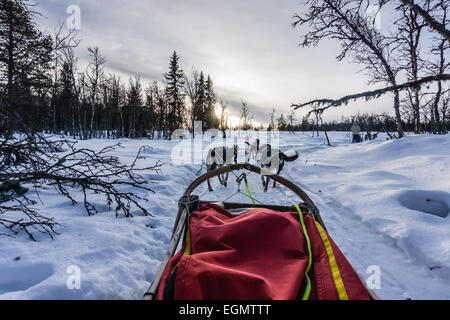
219	157
268	156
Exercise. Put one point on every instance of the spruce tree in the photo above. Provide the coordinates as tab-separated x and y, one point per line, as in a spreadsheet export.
134	99
199	110
198	98
211	120
282	124
65	100
174	94
25	61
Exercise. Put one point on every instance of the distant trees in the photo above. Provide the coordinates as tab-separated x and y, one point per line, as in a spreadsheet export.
291	120
282	124
246	117
202	99
41	84
371	123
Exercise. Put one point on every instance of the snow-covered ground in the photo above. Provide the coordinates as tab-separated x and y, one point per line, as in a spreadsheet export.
385	203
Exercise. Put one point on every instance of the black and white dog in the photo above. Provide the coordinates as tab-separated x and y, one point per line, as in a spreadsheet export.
219	157
269	160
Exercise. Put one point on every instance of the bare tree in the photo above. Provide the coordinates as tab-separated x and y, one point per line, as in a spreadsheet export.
291	120
272	119
427	12
246	116
408	41
94	76
191	87
344	21
316	124
441	65
431	21
64	44
223	118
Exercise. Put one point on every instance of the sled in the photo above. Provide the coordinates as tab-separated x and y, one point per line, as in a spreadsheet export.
237	251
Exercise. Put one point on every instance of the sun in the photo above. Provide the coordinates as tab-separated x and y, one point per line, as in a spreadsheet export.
233	121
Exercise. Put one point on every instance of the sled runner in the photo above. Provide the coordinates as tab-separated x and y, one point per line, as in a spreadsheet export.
235	251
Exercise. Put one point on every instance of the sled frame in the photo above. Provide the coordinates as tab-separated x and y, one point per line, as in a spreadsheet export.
189	203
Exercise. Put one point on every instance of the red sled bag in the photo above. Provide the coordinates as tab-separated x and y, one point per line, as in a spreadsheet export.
234	251
258	255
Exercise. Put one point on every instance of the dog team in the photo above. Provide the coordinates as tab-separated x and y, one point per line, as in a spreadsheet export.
267	156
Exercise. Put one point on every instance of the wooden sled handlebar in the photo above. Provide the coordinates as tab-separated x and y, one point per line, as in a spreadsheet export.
238	167
245	166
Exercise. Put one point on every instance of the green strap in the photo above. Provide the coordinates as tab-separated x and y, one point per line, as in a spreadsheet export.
308	241
248	189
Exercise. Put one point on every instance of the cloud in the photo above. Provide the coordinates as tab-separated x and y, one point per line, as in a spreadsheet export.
248	47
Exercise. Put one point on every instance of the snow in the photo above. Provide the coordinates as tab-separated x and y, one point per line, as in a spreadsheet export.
385	203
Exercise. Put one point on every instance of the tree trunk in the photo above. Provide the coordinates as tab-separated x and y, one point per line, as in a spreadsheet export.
398	117
416	112
435	110
92	120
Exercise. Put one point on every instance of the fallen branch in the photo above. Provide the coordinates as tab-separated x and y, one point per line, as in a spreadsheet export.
34	161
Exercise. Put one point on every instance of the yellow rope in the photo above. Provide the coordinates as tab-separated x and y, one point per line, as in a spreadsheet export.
333	263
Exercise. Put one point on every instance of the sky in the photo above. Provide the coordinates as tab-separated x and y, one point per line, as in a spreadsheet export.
249	48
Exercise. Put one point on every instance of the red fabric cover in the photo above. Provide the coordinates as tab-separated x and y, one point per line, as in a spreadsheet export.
259	255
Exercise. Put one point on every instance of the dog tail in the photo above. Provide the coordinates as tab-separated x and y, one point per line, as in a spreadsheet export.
291	158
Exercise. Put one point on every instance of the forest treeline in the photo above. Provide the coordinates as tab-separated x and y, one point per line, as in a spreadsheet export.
43	88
